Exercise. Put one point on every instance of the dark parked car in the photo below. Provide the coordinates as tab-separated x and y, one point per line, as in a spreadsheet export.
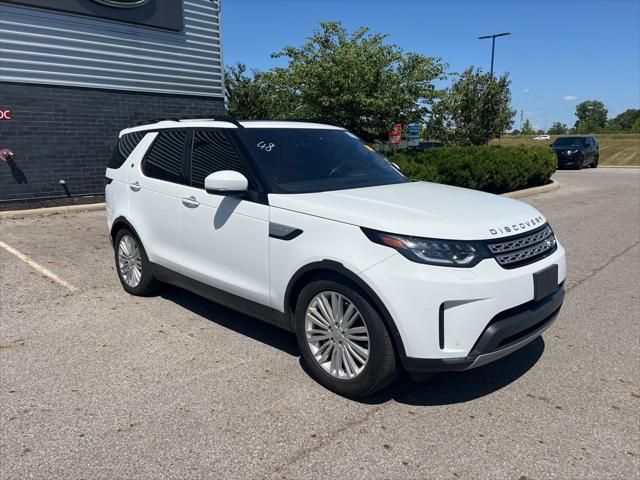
577	151
427	145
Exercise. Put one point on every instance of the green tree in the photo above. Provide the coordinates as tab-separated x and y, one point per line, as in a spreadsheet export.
635	128
356	80
592	116
252	97
527	128
558	129
474	110
625	121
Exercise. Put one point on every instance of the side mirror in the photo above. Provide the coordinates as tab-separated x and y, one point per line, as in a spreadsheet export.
226	182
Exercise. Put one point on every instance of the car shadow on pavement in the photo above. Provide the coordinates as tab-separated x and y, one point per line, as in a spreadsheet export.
232	320
457	387
442	389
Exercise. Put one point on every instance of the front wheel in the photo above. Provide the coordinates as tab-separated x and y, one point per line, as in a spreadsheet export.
343	341
133	266
595	162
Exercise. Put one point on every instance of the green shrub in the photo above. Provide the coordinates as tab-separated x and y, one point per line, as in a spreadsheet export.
489	168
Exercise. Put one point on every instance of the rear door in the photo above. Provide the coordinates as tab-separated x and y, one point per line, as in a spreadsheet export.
225	238
130	148
157	185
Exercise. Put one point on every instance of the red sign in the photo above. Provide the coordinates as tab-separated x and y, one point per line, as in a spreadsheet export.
395	135
5	114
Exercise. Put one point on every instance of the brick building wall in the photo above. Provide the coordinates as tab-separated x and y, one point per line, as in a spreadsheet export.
68	133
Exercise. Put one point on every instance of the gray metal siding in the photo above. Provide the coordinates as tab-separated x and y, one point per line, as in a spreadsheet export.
46	47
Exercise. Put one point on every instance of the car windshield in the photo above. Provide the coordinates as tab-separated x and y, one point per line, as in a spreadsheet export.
570	142
296	160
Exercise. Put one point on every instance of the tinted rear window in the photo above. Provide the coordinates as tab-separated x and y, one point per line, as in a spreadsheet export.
124	147
165	159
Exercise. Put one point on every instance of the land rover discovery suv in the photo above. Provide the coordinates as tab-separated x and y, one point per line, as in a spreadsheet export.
305	226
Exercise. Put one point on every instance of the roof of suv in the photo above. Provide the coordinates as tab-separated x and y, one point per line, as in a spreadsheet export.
576	136
204	122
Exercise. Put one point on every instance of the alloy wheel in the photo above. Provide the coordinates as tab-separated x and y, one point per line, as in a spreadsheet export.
337	335
130	261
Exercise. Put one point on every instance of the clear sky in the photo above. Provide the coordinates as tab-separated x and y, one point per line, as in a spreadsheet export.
559	53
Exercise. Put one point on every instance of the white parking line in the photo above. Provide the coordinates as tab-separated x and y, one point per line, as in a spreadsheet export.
38	267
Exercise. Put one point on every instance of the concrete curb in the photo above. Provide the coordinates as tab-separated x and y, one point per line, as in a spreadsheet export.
90	207
618	166
554	185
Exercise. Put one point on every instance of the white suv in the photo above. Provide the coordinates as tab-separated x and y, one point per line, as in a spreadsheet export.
306	227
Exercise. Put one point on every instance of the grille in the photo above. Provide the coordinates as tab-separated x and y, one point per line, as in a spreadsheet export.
524	249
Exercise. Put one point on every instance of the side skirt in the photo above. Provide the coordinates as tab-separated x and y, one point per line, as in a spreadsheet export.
242	305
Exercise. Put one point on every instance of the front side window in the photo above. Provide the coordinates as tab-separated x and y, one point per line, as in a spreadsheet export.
213	152
165	159
295	160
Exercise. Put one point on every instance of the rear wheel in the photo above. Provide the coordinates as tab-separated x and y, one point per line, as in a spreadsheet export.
132	264
343	340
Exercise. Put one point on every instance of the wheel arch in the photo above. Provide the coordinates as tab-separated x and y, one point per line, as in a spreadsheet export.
333	269
118	223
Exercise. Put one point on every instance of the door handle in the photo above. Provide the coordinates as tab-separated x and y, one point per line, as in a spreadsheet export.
190	202
135	186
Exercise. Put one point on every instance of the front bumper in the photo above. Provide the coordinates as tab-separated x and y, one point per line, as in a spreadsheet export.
506	333
572	160
453	318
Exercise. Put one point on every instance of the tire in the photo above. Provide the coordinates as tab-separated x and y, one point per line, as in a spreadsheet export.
352	377
580	164
131	257
595	162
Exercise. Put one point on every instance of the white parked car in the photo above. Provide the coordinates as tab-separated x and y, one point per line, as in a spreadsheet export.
542	137
306	227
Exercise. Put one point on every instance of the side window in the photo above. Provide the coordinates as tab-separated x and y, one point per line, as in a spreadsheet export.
124	147
212	152
164	160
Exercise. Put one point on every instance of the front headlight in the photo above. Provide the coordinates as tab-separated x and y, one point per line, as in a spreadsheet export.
450	253
571	152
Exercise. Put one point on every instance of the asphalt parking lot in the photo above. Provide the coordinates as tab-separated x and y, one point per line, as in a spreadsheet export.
97	384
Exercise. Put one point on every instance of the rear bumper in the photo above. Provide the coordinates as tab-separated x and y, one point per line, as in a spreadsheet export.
506	332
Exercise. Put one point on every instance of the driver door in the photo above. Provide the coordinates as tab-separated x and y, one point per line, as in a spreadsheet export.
225	238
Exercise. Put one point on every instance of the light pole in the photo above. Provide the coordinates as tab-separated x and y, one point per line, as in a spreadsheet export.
493	44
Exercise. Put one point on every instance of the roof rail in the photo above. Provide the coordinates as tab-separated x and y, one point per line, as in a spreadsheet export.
228	118
218	118
156	120
315	120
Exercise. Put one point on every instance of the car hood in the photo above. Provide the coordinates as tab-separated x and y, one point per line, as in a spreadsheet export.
420	209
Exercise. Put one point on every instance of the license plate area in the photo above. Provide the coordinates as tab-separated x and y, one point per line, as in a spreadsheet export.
545	282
